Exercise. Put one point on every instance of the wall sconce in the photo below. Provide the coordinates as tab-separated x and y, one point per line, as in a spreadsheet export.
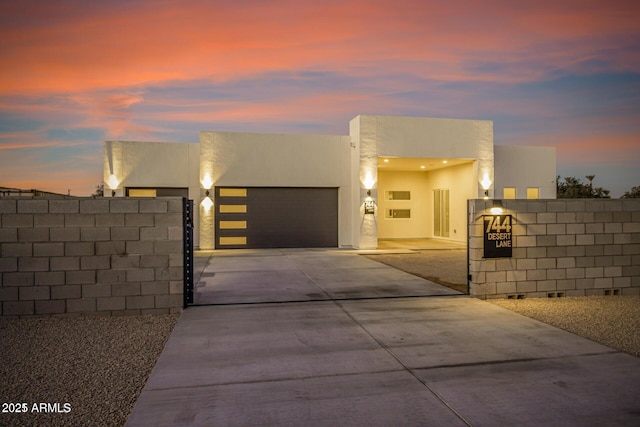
207	203
113	183
486	184
368	181
496	207
206	182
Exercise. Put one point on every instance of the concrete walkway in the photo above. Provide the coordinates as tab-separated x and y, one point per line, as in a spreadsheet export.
328	338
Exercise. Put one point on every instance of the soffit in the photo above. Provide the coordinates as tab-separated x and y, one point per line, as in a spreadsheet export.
410	164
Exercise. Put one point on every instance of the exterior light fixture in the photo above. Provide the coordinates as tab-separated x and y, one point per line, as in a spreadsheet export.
444	162
422	167
496	207
368	181
206	182
486	184
207	203
386	160
113	183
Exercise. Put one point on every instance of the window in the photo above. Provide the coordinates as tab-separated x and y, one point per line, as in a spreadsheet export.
156	192
398	213
142	192
233	192
533	193
398	195
509	193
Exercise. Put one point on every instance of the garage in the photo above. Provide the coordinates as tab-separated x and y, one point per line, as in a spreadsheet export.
276	217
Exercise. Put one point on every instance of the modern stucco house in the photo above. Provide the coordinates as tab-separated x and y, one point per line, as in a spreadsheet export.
391	177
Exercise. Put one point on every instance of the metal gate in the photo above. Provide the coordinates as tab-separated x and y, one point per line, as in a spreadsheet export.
187	234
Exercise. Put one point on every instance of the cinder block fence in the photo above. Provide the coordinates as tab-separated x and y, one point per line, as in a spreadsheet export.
564	247
86	256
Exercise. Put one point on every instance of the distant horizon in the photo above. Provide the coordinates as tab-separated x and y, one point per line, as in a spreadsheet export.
73	74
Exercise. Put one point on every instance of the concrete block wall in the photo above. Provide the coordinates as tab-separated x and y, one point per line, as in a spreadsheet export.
563	247
87	256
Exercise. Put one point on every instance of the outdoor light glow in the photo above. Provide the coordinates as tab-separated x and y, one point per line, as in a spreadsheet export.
496	211
207	182
207	203
486	182
113	182
386	160
445	162
368	181
422	167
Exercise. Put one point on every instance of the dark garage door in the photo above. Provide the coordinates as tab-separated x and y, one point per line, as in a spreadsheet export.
276	217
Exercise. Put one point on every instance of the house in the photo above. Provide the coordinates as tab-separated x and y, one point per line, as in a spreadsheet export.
391	177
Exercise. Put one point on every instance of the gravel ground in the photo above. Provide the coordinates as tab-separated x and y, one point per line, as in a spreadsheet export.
445	267
610	320
97	365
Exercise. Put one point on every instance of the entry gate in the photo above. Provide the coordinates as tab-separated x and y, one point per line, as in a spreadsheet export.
187	234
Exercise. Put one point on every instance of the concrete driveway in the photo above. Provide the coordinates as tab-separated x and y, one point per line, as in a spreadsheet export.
296	275
329	338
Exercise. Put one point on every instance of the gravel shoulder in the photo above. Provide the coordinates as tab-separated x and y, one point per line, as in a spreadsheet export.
610	320
98	365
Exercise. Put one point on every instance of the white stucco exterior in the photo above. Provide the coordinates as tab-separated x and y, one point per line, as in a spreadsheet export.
523	167
421	156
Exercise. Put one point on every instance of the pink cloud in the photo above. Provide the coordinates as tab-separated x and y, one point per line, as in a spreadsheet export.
110	47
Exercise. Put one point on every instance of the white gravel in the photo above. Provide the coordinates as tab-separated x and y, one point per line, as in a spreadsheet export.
96	365
610	320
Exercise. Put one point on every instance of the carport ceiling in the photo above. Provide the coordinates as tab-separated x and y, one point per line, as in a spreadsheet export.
409	164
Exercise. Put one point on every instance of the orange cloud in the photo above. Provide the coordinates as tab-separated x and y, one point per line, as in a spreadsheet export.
136	43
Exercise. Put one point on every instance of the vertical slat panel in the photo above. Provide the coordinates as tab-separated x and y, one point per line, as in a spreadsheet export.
187	234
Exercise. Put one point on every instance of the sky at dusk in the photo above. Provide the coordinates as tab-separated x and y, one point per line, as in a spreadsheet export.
562	73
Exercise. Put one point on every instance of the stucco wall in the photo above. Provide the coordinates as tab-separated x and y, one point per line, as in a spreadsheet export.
522	167
237	159
153	164
273	160
461	183
90	256
563	247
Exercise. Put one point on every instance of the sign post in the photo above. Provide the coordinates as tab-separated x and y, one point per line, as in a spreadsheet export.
498	240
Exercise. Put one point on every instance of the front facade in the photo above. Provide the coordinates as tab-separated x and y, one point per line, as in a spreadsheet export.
390	178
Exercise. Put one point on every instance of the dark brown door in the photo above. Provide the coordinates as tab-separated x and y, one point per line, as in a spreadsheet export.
276	217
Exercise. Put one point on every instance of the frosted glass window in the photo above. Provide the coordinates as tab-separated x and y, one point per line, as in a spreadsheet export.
398	195
533	193
398	213
509	193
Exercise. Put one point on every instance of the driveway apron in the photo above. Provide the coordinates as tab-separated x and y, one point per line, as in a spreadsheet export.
310	337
